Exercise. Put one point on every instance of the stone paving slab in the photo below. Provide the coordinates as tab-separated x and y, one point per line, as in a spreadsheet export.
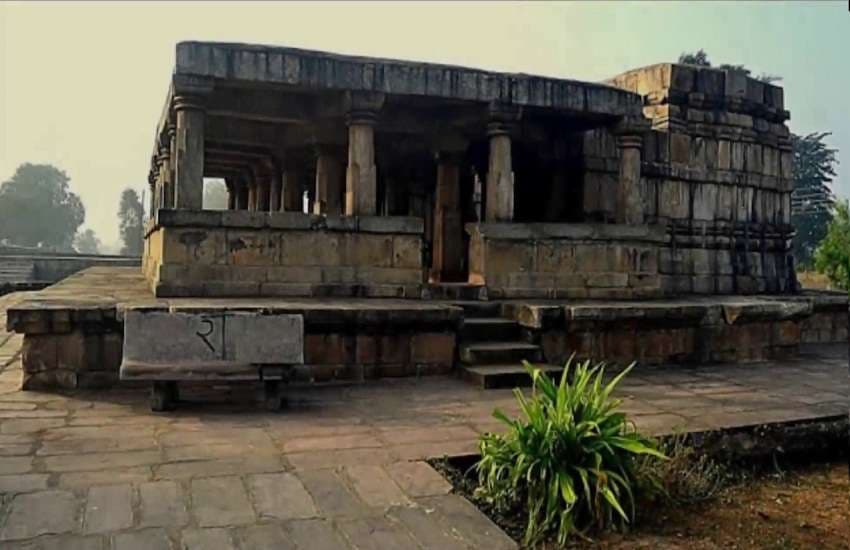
343	467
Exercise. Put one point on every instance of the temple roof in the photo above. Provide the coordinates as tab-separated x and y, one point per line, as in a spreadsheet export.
328	71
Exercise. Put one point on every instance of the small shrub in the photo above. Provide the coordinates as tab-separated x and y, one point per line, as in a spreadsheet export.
571	458
685	477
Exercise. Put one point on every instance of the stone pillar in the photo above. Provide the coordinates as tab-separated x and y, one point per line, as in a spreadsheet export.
499	200
242	193
167	200
447	257
230	183
275	188
292	194
189	159
361	185
329	182
263	191
252	195
153	185
629	195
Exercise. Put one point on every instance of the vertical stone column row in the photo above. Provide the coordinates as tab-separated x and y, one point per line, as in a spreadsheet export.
189	158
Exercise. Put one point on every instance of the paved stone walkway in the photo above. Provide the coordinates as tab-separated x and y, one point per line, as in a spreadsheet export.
342	468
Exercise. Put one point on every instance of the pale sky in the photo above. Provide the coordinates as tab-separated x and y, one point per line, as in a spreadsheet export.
82	84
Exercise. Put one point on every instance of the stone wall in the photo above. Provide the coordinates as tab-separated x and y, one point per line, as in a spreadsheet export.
716	173
279	254
81	346
541	260
687	332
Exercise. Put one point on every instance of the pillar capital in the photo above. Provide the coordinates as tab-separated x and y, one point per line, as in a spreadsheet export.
362	107
502	118
631	126
189	102
629	141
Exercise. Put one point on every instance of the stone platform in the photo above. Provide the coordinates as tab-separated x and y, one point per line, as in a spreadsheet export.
342	468
74	330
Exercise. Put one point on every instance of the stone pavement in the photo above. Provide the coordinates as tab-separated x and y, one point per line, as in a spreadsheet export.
343	467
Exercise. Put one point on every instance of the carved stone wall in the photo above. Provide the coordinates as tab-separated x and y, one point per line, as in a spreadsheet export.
239	253
716	172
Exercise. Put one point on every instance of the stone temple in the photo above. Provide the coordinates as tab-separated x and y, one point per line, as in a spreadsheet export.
426	219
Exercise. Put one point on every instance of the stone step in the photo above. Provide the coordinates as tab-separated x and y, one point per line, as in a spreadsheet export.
478	309
494	353
455	291
478	329
504	376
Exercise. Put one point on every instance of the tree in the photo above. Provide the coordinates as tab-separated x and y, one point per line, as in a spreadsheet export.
37	208
131	218
215	195
699	58
832	256
87	242
812	200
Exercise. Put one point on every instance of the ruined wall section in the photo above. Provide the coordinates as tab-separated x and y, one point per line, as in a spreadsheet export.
716	172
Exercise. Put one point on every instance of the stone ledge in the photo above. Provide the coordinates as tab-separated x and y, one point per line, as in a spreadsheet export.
569	231
217	219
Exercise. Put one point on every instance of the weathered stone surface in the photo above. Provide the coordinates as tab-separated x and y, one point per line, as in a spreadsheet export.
220	501
45	512
161	504
108	509
281	496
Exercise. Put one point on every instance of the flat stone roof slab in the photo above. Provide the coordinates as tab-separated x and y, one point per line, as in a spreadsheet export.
329	71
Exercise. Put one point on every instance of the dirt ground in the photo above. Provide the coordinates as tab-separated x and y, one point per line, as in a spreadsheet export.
806	508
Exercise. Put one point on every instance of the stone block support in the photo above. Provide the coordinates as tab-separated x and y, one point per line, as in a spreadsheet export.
329	183
629	196
448	227
361	176
189	159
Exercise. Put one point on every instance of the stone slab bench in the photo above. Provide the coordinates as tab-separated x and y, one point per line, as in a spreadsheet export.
166	347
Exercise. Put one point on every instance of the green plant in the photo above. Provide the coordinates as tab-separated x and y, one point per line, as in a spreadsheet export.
686	477
570	459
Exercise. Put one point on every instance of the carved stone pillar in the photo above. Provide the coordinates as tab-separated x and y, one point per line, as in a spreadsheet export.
499	201
447	257
189	159
629	132
329	182
360	175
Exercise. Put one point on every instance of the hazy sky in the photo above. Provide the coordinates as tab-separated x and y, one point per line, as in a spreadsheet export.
82	84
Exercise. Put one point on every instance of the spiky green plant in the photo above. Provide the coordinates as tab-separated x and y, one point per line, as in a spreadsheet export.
570	458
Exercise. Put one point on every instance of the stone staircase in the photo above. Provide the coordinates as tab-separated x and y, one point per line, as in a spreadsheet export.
492	348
